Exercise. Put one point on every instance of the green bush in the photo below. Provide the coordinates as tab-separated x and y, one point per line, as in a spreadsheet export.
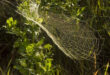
35	56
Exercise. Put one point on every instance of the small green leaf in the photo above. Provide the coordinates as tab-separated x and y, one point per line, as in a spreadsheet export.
40	20
23	62
107	66
1	70
11	19
14	22
48	46
38	1
48	64
8	73
11	23
109	33
39	43
8	22
30	49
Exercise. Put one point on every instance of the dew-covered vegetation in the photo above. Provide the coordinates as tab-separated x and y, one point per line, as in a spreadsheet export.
54	37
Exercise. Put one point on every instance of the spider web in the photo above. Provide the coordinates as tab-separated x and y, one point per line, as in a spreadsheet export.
76	40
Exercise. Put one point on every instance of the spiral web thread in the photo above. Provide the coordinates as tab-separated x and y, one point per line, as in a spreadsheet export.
76	40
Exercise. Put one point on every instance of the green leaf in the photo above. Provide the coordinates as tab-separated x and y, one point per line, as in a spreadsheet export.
48	46
9	63
8	22
30	49
109	33
107	66
8	73
40	20
23	62
38	1
11	23
1	70
48	64
99	4
79	11
14	22
39	43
